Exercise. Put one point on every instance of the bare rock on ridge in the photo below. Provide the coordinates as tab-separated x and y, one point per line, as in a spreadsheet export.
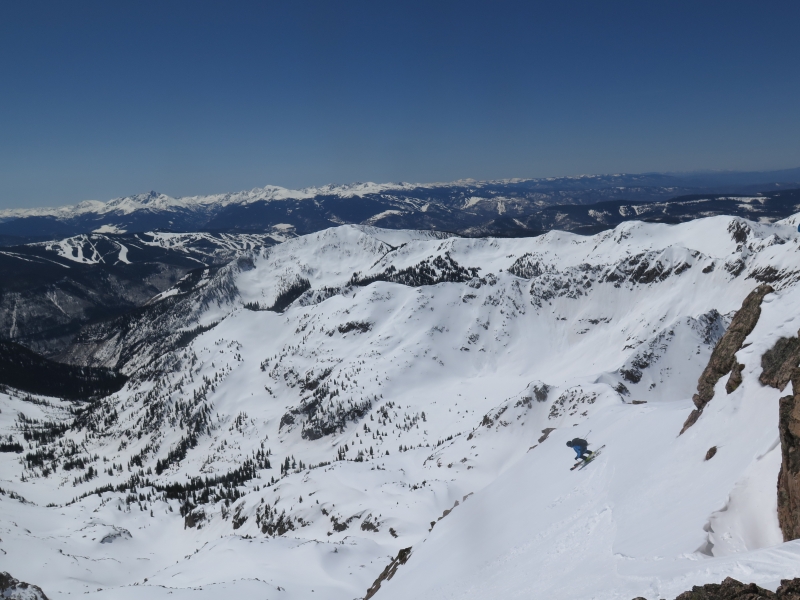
789	589
723	358
14	589
731	589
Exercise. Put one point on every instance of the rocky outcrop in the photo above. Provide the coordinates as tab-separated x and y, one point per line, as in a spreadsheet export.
731	589
779	362
14	589
789	476
789	589
735	379
401	559
779	367
723	358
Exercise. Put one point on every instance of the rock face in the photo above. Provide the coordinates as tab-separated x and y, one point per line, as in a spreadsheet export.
14	589
789	589
723	358
730	589
779	367
789	477
389	571
735	379
778	363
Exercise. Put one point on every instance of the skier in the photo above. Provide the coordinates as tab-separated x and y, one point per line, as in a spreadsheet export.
581	448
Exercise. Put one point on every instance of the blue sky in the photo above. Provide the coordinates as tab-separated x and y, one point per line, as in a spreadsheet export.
105	99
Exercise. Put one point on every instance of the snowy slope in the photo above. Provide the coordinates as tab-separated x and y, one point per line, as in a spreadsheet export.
51	289
414	373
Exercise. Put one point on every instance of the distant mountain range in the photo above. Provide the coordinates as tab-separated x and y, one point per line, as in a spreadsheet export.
515	207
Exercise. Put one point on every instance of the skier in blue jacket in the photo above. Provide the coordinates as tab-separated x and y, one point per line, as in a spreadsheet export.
581	448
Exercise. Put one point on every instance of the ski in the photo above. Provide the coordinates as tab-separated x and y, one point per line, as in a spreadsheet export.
582	463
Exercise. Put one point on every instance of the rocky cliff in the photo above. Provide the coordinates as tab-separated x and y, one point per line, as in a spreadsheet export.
789	477
14	589
731	589
723	358
780	366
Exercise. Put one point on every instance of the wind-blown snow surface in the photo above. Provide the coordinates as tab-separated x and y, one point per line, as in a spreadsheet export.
436	383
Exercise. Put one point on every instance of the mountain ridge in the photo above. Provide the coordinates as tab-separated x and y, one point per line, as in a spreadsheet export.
465	206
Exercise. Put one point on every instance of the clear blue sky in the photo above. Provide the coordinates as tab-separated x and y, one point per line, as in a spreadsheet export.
104	99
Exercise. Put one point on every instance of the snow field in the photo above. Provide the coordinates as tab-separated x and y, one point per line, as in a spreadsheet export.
649	517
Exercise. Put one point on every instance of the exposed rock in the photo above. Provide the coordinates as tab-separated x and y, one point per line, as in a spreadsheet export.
572	401
735	379
401	559
723	358
769	274
731	589
14	589
789	476
691	420
541	391
779	365
779	362
789	589
538	391
739	231
545	433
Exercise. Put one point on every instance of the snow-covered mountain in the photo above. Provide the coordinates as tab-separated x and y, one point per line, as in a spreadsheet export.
387	410
515	207
51	289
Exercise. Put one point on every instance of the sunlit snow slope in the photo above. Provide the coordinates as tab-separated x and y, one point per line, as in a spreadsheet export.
409	374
